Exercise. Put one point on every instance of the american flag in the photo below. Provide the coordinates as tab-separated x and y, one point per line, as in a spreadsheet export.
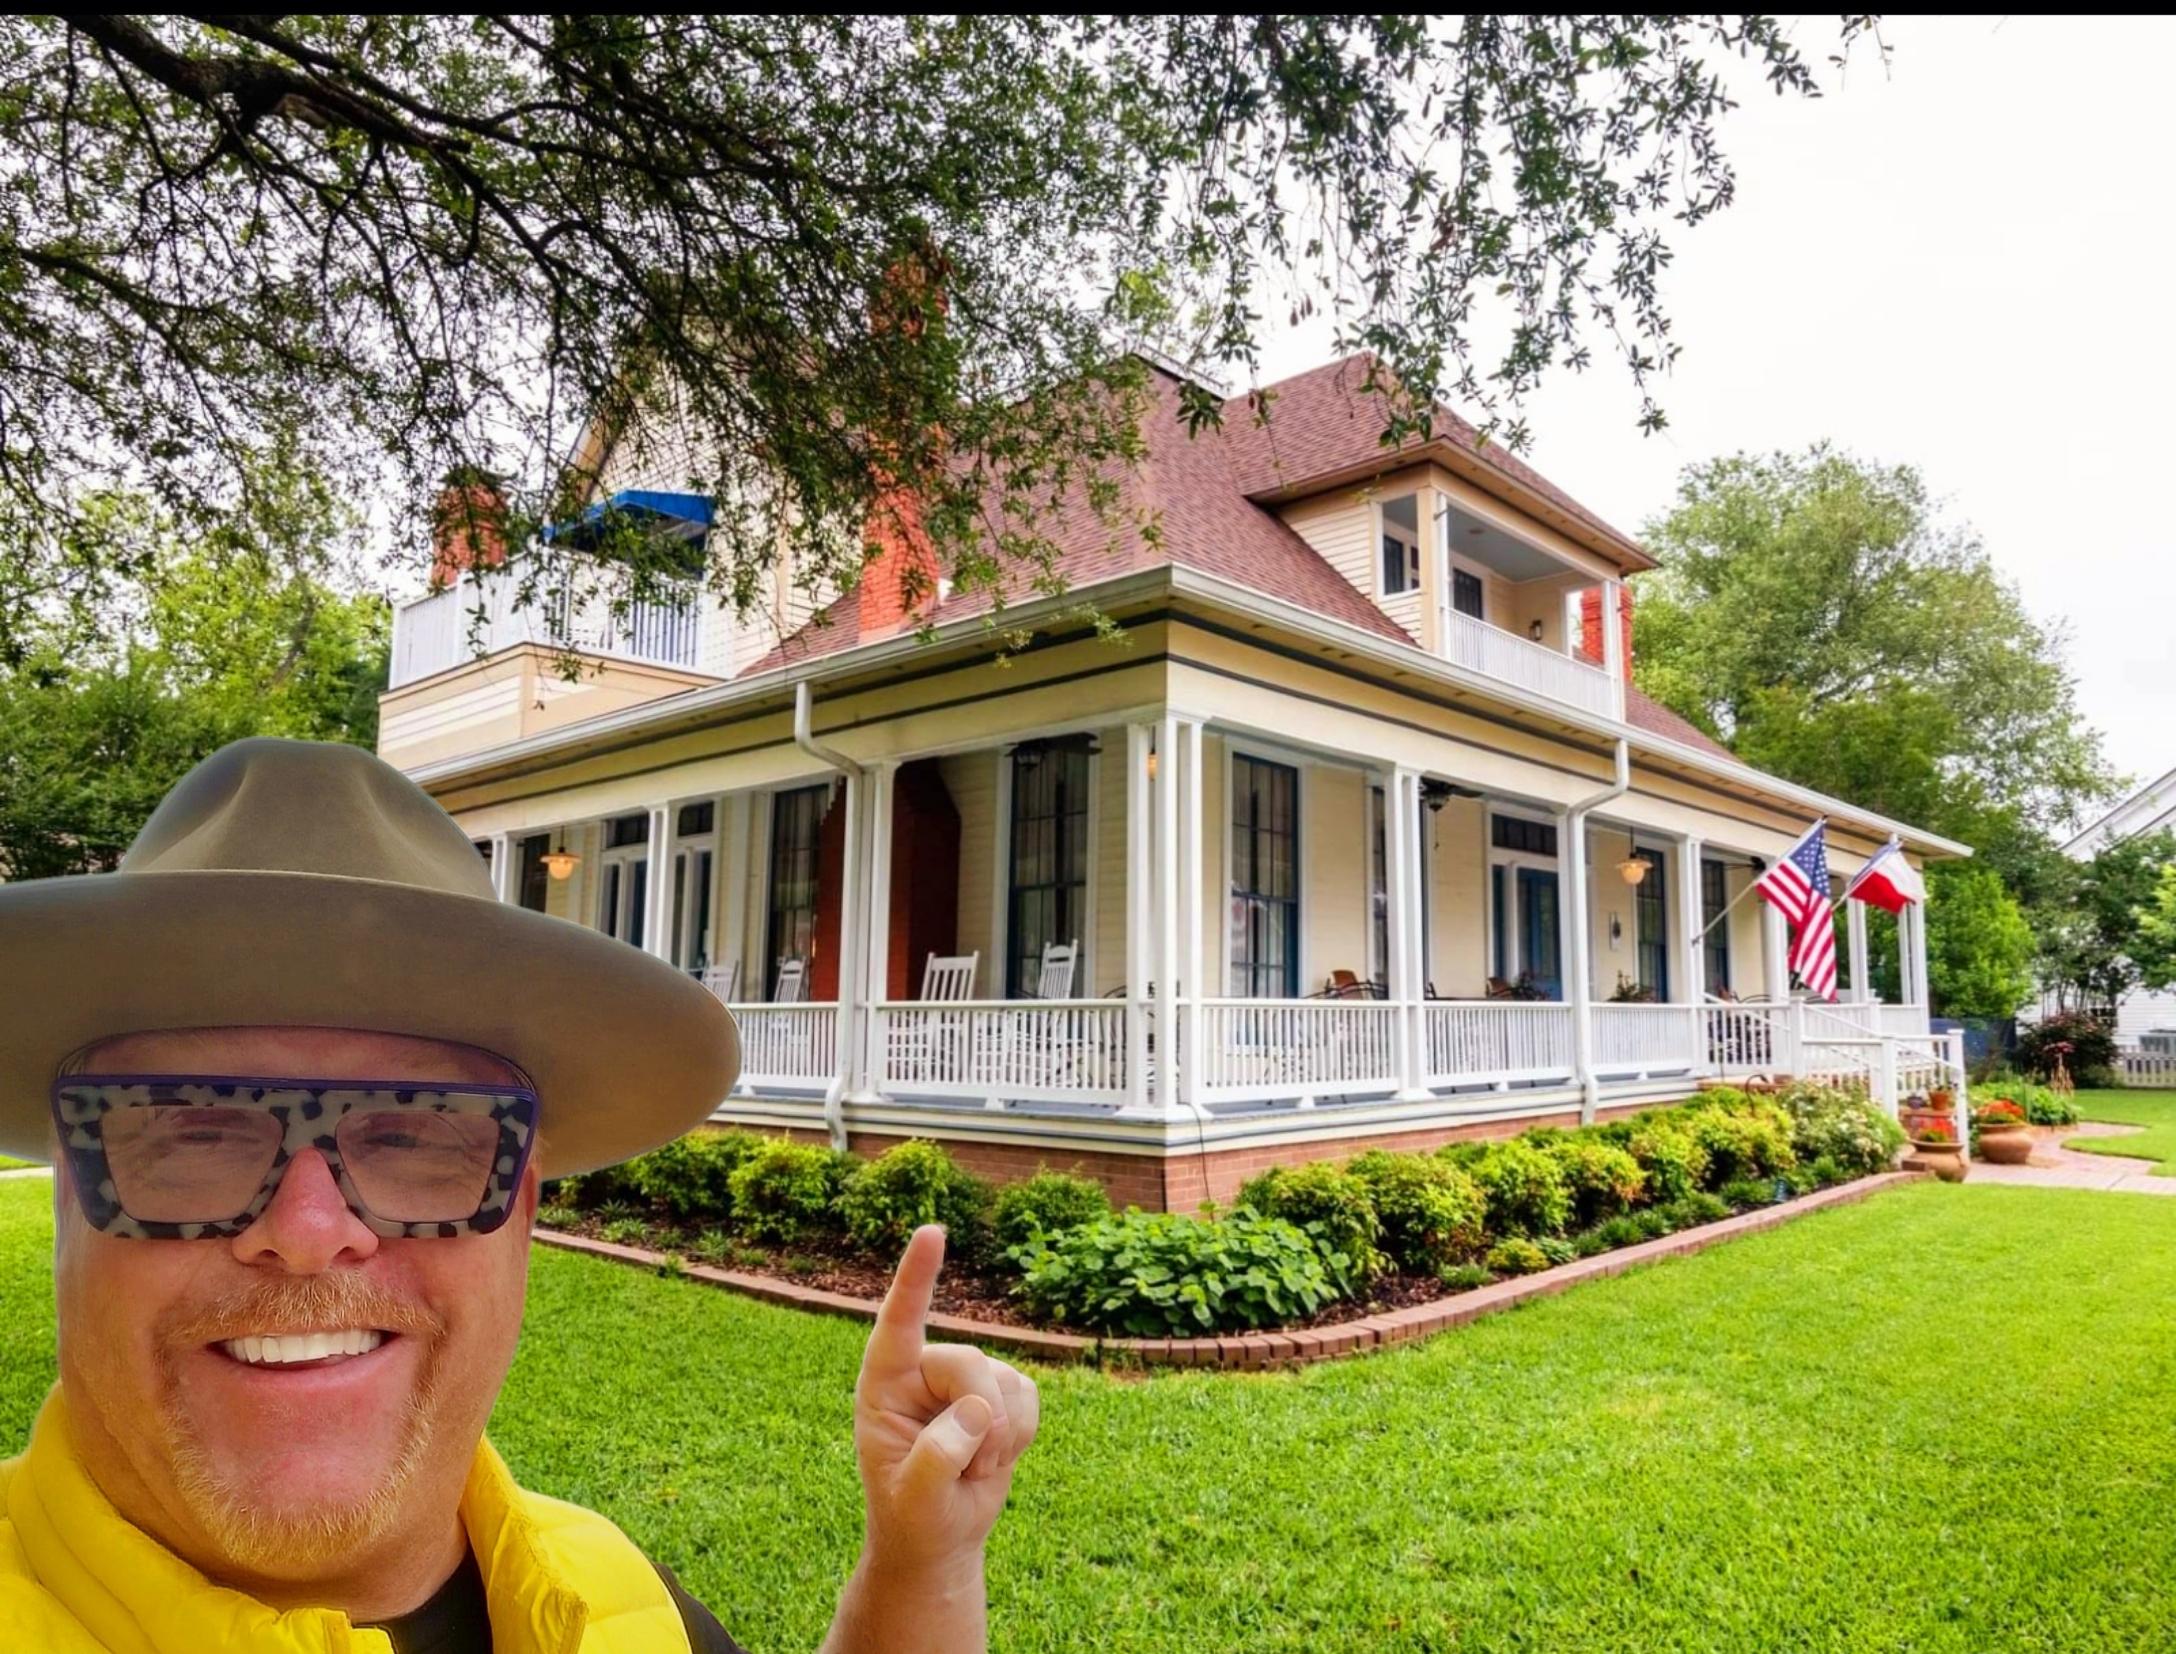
1799	886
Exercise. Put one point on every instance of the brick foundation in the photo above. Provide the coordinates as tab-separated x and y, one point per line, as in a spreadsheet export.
1182	1179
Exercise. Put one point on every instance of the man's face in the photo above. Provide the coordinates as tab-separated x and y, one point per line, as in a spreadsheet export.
276	1471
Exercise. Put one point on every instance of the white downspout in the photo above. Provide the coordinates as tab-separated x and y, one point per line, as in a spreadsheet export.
1582	929
850	926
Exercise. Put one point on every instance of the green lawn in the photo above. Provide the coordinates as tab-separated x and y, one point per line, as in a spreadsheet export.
8	1164
2155	1110
1937	1420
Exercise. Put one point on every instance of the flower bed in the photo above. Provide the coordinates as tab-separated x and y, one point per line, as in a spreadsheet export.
1312	1246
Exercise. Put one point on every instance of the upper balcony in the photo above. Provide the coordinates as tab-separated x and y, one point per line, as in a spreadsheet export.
1496	602
568	610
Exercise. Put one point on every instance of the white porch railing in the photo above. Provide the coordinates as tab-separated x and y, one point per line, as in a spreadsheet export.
1497	1042
1904	1021
1480	647
996	1052
1743	1040
1634	1040
1263	1049
793	1046
432	634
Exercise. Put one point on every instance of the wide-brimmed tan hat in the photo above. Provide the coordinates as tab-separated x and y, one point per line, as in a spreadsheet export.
304	883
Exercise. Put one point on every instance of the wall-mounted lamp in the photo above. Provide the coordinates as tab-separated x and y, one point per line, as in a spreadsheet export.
1152	763
1616	930
1533	630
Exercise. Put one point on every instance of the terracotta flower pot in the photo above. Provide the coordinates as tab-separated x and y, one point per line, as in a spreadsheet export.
1944	1160
2005	1145
1941	1102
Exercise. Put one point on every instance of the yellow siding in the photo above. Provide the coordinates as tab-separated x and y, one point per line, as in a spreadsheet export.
1341	526
971	778
1748	967
1107	953
1216	833
1610	898
1333	874
1457	842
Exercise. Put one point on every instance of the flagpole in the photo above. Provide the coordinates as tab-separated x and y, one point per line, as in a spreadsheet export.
1724	911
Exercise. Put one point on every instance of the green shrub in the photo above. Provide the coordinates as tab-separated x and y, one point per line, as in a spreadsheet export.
1692	1211
587	1191
914	1183
713	1247
1464	1277
1842	1126
1827	1171
1742	1194
1653	1222
627	1232
787	1192
1557	1249
1674	1164
1046	1203
1752	1143
1619	1231
1603	1178
2090	1040
557	1217
1334	1208
1159	1274
1433	1214
1525	1190
691	1178
1516	1255
1589	1243
2042	1106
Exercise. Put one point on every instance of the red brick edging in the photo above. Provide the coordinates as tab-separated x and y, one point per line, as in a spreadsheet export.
1264	1349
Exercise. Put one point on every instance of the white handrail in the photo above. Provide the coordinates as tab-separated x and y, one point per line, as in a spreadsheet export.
997	1052
789	1045
1480	647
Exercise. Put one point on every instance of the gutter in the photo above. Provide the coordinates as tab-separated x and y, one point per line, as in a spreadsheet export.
1572	853
804	717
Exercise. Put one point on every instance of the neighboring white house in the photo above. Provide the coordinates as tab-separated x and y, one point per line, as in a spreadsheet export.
2145	1021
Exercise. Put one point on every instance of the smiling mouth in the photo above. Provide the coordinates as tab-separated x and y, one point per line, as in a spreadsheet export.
290	1350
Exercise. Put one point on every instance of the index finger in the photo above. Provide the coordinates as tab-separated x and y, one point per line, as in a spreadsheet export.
896	1340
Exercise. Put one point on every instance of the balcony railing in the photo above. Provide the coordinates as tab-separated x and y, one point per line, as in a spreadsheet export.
480	616
1480	647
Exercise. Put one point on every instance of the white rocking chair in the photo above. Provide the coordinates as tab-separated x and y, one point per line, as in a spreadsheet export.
933	1045
724	981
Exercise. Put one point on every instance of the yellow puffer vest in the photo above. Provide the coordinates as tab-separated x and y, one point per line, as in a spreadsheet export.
76	1578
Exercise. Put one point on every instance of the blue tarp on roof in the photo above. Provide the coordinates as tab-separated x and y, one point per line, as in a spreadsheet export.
684	516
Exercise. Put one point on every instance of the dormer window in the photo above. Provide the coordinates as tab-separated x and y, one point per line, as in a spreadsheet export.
1400	546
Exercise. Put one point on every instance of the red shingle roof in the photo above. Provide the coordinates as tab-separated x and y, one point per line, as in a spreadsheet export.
1643	711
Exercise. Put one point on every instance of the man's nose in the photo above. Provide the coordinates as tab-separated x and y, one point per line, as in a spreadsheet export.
308	1227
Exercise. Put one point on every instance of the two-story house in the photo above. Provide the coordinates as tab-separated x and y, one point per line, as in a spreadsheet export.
1358	835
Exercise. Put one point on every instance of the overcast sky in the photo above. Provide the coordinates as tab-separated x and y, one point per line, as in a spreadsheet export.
1963	264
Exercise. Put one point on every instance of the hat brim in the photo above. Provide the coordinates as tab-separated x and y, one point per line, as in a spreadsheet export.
625	1051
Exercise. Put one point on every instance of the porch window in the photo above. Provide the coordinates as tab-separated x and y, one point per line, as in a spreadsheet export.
694	860
1047	900
1528	838
534	880
1651	924
1401	546
624	892
797	821
1525	924
1468	595
1265	933
1714	897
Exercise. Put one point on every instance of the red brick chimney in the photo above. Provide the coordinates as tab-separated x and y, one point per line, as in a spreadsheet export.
899	567
468	529
1590	625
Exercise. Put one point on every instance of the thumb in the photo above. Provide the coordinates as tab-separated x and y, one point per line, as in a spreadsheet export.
946	1447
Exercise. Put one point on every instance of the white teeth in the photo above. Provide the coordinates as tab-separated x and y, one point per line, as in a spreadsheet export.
280	1349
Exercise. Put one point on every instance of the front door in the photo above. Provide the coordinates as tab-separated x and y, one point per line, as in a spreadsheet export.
1539	958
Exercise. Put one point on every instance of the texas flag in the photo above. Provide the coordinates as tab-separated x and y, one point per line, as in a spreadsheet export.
1888	882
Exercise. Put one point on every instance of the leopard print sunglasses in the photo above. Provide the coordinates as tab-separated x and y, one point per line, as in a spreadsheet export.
197	1157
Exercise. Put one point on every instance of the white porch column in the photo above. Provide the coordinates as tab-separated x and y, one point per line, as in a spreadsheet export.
1577	948
1165	972
1403	895
1613	661
1191	964
1691	955
1138	911
657	900
1907	974
850	1073
502	872
1775	946
736	859
1922	990
876	924
1862	976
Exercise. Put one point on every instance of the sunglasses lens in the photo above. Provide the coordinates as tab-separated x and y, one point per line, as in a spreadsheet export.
417	1165
177	1163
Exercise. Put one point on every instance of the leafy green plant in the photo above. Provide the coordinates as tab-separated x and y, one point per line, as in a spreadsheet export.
1692	1211
1653	1222
1751	1143
591	1191
1588	1243
627	1232
1604	1179
1827	1171
558	1217
1842	1127
691	1177
713	1247
1525	1188
1334	1208
2084	1045
788	1192
1160	1274
1464	1277
1516	1255
1742	1194
1675	1165
2042	1106
1620	1231
914	1183
1433	1213
1046	1203
1557	1249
